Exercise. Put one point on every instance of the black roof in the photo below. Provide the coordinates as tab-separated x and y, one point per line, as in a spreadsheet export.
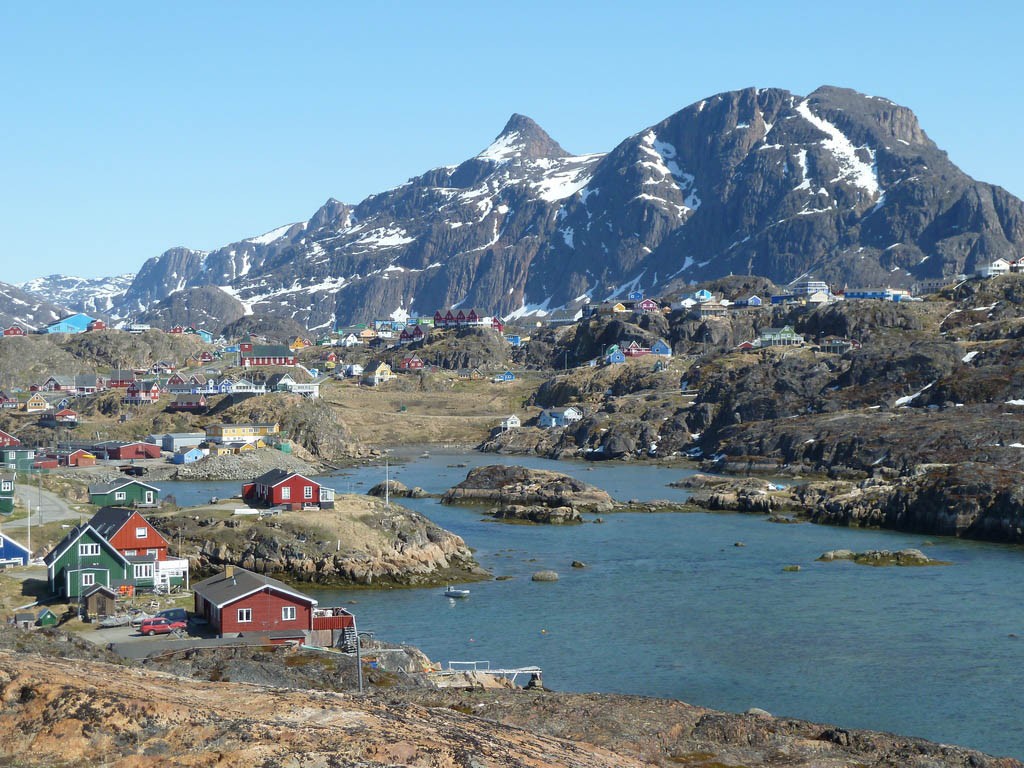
109	520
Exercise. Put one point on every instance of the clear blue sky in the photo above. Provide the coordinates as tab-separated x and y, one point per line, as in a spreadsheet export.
131	128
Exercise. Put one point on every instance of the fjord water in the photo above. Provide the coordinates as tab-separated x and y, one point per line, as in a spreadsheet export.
668	606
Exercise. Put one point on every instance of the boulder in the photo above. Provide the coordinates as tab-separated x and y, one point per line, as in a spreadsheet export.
536	513
544	576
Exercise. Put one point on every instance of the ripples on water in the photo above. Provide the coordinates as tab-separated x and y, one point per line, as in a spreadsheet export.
667	606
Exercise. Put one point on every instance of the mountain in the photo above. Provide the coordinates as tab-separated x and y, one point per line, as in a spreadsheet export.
94	296
27	310
757	181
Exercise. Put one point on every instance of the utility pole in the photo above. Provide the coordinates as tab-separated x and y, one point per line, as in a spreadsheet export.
387	483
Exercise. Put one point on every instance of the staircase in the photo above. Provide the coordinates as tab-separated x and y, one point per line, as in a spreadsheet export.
347	641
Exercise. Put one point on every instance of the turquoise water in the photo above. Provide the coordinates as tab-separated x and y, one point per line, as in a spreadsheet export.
667	606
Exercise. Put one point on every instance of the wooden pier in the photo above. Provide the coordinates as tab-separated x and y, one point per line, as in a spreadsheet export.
535	674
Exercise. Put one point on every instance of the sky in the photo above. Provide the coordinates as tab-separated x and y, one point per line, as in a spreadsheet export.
127	129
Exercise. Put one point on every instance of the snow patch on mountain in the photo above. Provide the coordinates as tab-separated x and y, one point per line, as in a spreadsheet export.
851	168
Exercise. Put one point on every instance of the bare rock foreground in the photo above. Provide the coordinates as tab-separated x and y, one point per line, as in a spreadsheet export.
63	712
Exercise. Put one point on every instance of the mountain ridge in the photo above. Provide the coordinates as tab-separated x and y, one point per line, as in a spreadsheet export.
754	181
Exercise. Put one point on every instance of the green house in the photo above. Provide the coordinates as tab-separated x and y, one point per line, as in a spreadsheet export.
18	459
47	618
84	558
6	493
124	493
780	337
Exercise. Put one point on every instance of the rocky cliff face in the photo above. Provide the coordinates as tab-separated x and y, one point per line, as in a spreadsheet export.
756	181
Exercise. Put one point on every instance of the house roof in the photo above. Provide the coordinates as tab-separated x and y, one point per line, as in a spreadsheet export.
269	350
106	488
375	366
99	588
222	590
275	477
74	535
109	520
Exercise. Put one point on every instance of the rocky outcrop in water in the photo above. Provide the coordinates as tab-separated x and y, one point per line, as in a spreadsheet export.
516	485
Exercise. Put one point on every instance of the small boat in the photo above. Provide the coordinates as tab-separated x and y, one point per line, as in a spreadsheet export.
450	591
425	455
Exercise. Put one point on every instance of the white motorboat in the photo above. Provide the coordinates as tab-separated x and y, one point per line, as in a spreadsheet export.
452	592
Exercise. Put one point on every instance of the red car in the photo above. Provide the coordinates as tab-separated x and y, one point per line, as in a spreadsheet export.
160	626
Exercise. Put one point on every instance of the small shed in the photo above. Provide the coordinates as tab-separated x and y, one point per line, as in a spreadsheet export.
24	620
98	600
48	618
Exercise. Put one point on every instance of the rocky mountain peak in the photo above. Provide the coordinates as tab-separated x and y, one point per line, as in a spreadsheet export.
523	139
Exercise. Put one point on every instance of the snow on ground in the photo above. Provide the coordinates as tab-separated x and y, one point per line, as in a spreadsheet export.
567	178
801	159
527	310
503	148
851	168
271	236
385	237
910	398
970	356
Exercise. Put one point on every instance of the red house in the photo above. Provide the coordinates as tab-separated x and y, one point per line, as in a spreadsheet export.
65	416
121	378
238	600
142	392
264	354
129	532
127	451
77	458
411	364
14	330
472	318
96	325
177	329
497	325
647	305
290	490
635	350
8	440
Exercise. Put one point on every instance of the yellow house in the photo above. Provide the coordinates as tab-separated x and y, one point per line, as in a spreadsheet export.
36	403
367	333
299	343
240	433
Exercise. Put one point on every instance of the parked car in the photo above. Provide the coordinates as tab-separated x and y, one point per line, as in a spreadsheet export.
158	625
173	614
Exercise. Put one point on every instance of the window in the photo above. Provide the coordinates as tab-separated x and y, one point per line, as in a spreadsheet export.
307	492
119	496
88	579
152	551
286	492
244	615
143	570
88	550
288	613
141	532
131	552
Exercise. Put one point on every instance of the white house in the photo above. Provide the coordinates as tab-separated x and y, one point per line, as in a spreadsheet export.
996	268
510	422
559	417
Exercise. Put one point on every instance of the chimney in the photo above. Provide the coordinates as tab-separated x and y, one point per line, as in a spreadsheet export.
229	571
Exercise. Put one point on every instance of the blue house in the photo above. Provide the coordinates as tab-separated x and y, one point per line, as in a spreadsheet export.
506	376
187	456
753	301
703	295
661	347
204	335
635	296
514	339
13	553
615	357
77	323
